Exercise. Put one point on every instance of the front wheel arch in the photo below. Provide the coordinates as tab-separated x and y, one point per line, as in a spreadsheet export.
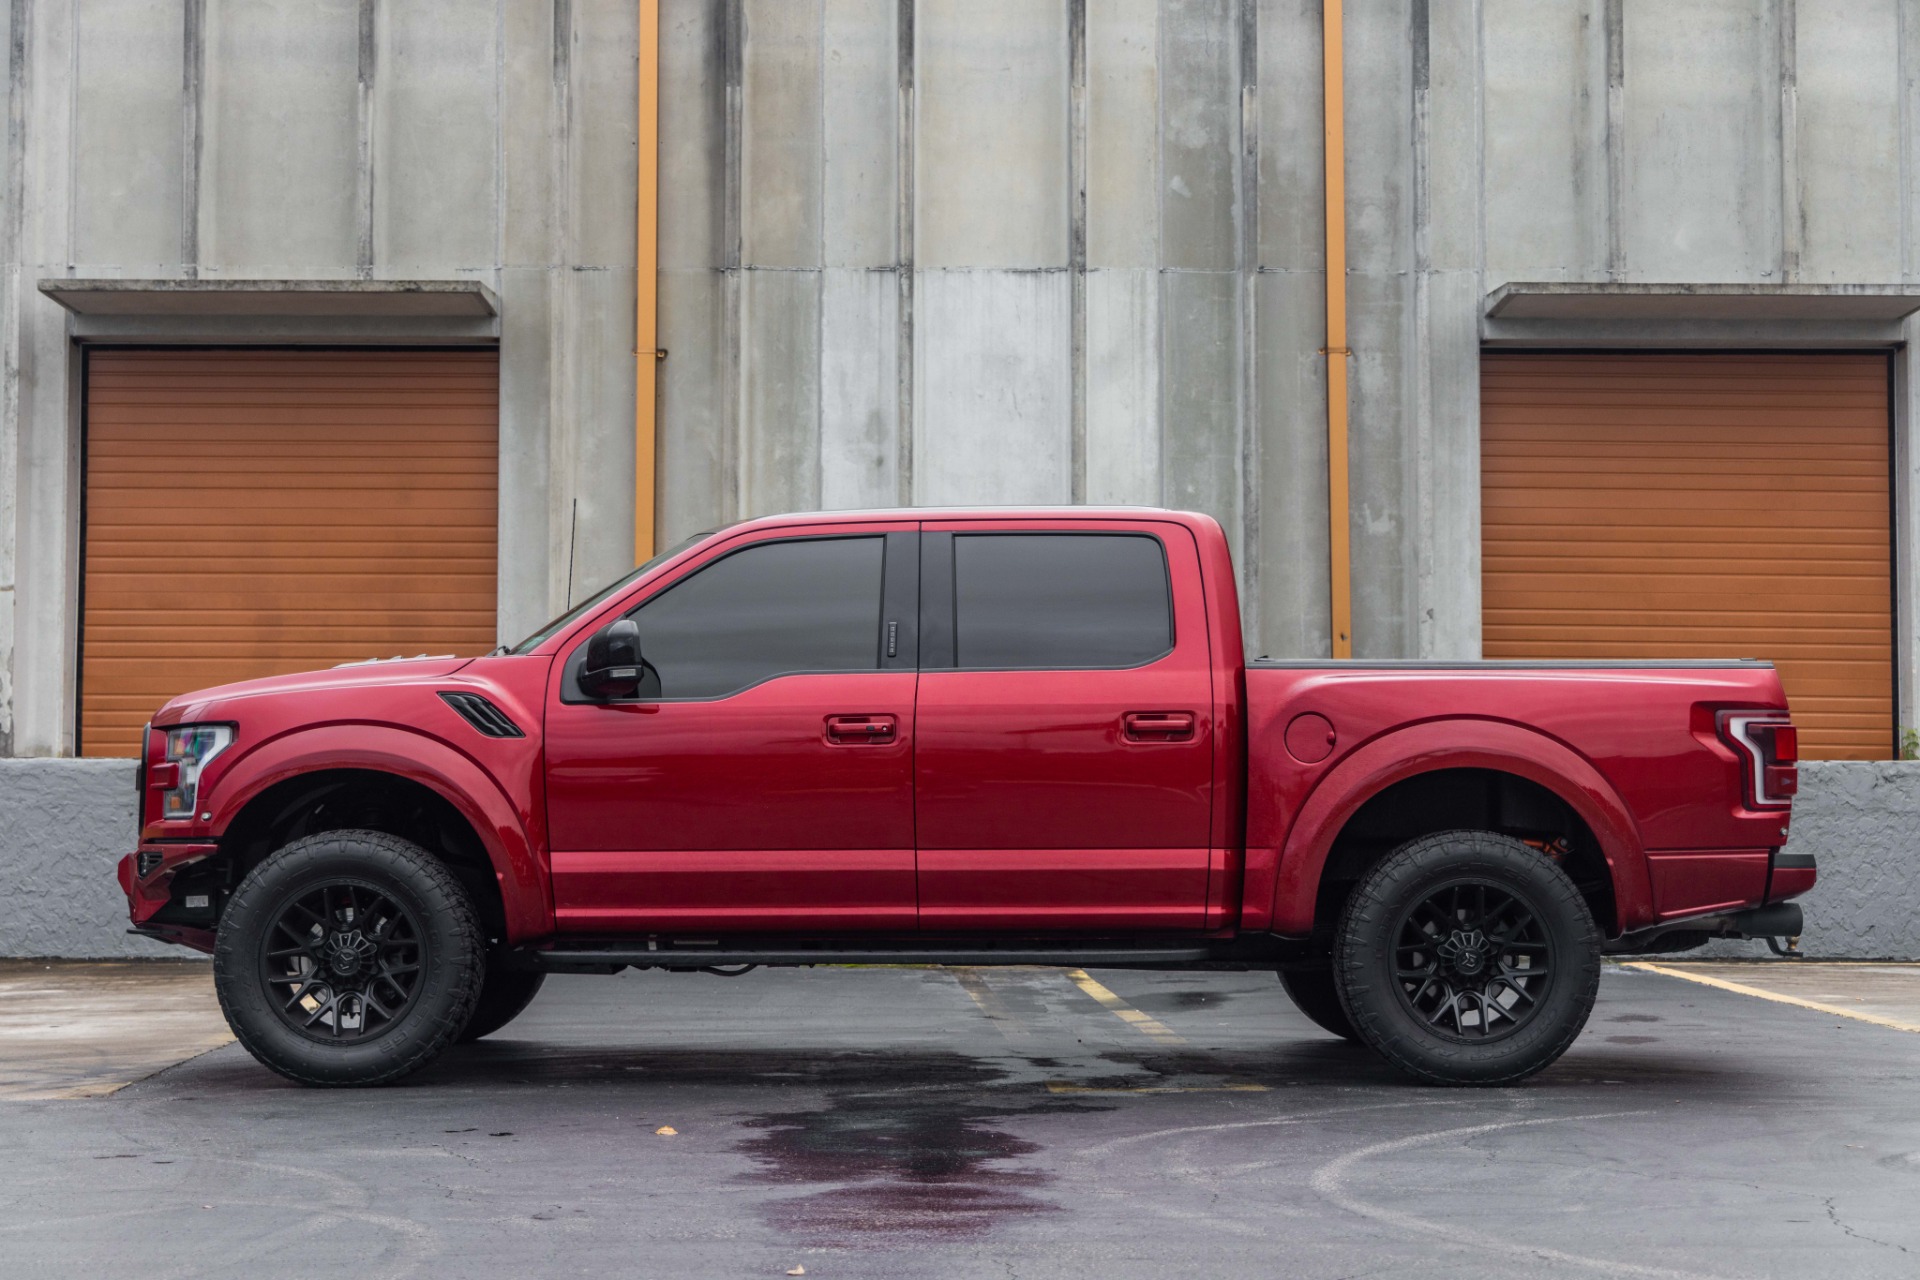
510	834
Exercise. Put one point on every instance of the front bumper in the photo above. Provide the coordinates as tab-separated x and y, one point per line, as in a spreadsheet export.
146	876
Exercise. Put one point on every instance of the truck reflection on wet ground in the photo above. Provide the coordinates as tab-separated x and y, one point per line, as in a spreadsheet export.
931	1161
905	1145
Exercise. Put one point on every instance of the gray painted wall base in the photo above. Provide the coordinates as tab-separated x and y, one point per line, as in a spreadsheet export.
64	823
1862	821
63	826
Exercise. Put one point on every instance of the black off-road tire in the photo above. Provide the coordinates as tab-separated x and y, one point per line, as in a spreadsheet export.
504	996
449	954
1313	993
1388	1012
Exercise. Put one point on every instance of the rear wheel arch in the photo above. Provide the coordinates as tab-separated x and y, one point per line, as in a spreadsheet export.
1467	799
1324	848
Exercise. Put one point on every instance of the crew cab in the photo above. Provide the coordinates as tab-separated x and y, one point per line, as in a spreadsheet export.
968	737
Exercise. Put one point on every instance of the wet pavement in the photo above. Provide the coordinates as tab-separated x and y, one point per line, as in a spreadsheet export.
1026	1123
85	1030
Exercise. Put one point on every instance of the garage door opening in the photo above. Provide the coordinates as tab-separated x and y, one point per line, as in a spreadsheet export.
257	512
1691	506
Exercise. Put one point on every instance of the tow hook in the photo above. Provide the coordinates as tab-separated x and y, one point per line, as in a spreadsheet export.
1791	951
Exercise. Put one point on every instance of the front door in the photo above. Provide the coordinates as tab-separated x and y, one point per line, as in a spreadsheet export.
1064	765
766	782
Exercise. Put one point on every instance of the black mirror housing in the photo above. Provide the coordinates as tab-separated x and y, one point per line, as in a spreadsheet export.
613	668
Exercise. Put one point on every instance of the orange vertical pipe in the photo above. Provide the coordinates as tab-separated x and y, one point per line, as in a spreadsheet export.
646	338
1339	547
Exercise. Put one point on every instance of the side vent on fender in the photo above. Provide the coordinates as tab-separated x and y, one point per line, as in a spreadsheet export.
482	715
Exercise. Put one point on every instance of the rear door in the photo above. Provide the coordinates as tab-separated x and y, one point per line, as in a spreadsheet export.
1064	761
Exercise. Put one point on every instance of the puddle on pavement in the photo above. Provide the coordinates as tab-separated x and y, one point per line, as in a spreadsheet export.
1180	1001
932	1156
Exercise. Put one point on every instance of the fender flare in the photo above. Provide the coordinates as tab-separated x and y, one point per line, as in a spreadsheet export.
1458	744
377	748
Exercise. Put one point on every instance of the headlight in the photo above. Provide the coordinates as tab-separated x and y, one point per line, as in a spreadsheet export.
189	748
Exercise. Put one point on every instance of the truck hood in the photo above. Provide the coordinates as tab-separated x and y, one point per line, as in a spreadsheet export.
203	704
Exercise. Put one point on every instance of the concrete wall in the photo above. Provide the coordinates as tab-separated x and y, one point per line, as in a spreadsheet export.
944	251
953	251
222	139
989	251
1859	820
1017	252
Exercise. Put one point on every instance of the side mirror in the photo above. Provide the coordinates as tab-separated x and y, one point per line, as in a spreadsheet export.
613	668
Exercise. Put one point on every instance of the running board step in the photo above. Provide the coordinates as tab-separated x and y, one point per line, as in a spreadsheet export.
611	960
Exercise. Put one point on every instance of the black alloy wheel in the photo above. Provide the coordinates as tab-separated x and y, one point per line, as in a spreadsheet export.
348	958
343	961
1467	958
1473	960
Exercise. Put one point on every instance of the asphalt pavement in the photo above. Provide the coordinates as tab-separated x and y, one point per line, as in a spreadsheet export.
1023	1123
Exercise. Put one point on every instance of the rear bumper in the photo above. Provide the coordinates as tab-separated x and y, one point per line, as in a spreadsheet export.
1791	875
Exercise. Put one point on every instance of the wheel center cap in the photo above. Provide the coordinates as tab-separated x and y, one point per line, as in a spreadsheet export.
1466	950
347	951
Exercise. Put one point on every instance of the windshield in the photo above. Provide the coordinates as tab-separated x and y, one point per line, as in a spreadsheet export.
593	601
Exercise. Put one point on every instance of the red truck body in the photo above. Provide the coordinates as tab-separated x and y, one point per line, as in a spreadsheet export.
1194	798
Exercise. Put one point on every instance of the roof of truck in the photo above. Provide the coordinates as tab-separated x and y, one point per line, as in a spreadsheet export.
1103	512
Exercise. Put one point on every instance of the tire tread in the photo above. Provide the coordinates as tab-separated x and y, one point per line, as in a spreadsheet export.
445	895
1371	905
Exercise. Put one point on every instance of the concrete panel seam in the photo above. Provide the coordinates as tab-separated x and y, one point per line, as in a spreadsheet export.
1793	216
192	130
367	55
1616	137
1077	242
732	242
907	195
1247	214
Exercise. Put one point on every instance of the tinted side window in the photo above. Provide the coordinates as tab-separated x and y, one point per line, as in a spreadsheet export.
771	609
1060	600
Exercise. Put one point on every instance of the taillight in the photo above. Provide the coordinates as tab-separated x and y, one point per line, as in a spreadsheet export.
1769	747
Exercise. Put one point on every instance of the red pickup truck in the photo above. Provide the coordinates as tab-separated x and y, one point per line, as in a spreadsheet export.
961	737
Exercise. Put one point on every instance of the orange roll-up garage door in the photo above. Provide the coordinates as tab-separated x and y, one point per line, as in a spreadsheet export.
1662	506
251	513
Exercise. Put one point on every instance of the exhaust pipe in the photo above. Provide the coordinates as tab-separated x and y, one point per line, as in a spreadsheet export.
1777	920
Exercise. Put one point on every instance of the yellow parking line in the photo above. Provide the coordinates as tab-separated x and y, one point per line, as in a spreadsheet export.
1120	1009
1741	988
982	995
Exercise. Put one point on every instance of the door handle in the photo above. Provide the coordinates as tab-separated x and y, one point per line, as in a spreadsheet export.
853	731
1158	726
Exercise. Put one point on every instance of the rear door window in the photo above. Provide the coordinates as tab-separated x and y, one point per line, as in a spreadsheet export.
1060	600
